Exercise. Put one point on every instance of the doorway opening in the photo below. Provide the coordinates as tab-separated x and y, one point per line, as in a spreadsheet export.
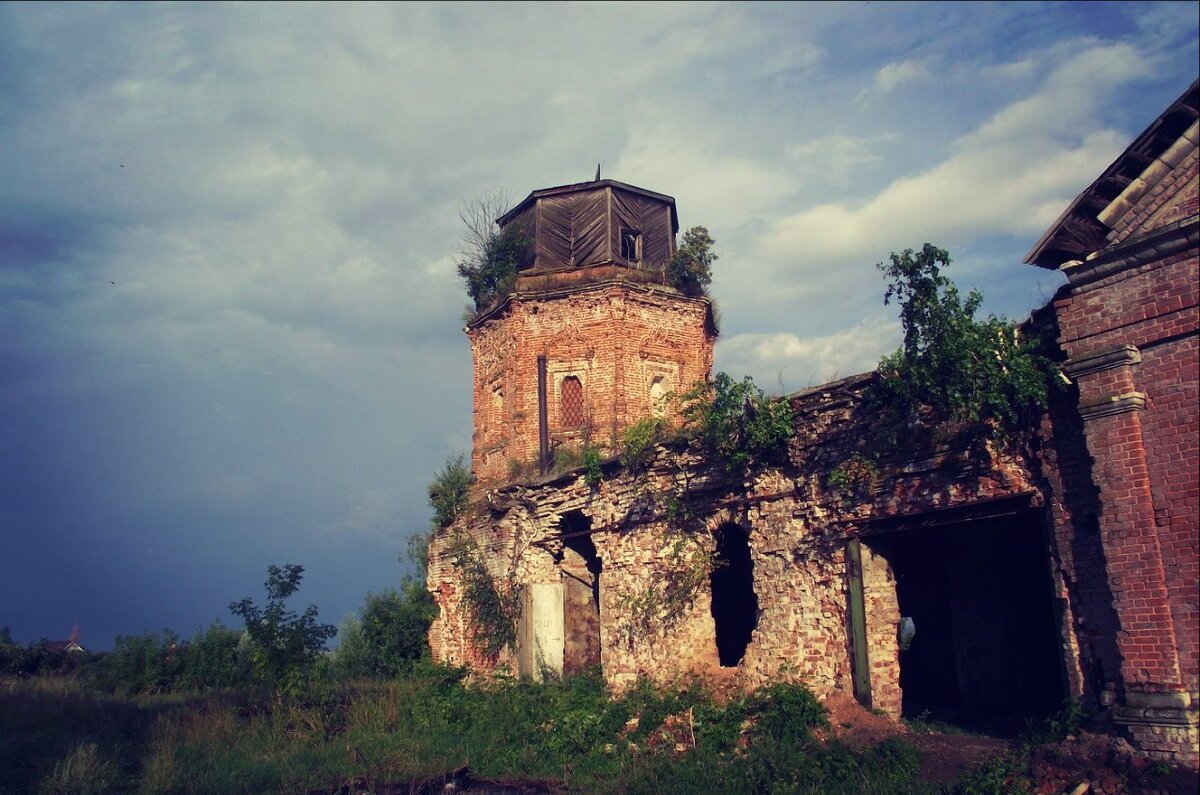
985	653
581	567
734	603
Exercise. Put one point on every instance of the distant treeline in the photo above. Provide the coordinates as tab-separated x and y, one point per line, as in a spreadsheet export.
387	637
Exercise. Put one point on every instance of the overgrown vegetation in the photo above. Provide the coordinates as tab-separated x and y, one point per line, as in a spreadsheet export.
62	734
690	268
954	368
736	422
489	257
853	478
688	565
492	610
412	732
284	645
639	440
449	489
391	634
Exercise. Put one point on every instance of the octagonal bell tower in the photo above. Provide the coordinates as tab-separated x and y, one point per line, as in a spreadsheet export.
590	339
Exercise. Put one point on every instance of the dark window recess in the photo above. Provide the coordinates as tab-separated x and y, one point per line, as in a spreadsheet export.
734	603
631	245
571	409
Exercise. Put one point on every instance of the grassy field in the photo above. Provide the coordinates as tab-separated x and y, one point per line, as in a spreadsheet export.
394	736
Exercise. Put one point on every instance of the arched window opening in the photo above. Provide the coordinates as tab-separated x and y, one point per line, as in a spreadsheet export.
658	396
571	411
581	568
734	603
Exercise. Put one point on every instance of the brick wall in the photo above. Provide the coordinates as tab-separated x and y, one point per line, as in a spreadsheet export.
624	342
797	528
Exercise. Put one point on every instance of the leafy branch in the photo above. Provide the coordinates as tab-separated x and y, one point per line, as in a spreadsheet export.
952	367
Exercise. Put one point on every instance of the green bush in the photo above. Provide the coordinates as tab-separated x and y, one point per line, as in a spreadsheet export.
638	442
449	489
491	273
284	645
736	421
786	713
953	367
690	268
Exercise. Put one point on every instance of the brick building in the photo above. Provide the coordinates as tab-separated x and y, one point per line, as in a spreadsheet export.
1065	568
590	339
1128	323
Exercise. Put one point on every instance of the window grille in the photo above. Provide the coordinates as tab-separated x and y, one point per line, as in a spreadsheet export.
571	410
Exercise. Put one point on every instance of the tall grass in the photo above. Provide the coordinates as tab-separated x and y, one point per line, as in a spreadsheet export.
418	728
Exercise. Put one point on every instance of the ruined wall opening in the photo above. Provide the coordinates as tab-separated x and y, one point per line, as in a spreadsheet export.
734	603
581	567
985	651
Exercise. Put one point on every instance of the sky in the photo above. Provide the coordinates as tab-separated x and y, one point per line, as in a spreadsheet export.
230	322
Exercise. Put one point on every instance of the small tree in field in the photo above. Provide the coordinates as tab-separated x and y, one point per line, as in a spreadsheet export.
284	645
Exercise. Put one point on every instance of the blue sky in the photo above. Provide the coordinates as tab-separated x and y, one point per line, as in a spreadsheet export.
230	327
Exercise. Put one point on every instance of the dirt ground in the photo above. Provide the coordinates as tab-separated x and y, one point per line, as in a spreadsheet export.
1107	765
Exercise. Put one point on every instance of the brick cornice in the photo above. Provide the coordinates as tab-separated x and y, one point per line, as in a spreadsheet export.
1121	356
1109	405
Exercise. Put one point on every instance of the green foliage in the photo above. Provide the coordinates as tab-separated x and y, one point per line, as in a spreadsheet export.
736	421
786	712
407	733
284	645
491	273
396	624
493	612
853	478
639	440
1054	727
953	367
1002	774
449	489
690	268
667	598
591	462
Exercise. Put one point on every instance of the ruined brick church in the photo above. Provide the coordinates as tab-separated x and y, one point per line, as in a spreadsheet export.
1066	570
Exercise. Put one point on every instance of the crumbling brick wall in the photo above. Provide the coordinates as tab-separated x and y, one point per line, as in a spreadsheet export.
625	343
797	527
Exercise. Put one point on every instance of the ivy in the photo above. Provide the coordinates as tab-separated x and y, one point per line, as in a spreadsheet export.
952	367
660	605
492	611
853	478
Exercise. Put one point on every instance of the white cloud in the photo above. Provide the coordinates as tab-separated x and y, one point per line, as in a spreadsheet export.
899	73
800	362
1003	177
835	158
713	182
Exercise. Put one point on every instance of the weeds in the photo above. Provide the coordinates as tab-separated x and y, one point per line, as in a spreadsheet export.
571	734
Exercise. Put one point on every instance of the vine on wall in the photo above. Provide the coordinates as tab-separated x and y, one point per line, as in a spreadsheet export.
492	610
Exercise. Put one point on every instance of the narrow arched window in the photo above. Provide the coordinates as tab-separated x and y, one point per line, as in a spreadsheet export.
571	411
658	396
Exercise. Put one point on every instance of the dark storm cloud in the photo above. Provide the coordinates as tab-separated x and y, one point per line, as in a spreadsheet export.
229	316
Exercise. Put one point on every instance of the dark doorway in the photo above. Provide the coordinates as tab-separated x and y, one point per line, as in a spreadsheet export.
985	654
734	603
581	594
